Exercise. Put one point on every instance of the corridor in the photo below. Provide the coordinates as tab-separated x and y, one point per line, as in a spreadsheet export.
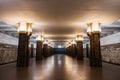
59	67
59	39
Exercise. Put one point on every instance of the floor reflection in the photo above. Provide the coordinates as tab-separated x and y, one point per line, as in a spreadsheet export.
59	67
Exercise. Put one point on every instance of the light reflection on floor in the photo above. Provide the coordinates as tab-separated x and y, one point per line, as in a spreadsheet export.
60	67
71	65
46	69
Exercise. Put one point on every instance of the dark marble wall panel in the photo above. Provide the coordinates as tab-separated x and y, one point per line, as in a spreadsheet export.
8	53
111	53
59	51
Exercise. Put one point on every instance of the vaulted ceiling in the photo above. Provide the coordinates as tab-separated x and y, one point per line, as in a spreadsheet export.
60	20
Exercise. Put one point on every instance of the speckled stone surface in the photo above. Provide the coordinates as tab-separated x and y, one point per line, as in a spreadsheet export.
111	53
8	53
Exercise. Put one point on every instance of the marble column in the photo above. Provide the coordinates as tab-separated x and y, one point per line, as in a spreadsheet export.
91	57
45	50
51	50
87	50
94	31
70	50
39	50
67	50
49	53
73	50
96	50
32	50
80	50
23	53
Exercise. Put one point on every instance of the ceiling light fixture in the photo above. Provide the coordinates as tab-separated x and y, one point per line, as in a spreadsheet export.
25	27
73	42
93	28
40	38
79	38
45	41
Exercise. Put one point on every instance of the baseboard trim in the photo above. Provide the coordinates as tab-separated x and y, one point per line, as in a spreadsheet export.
7	63
112	63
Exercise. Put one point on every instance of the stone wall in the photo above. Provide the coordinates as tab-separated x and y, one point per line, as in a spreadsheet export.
8	53
111	53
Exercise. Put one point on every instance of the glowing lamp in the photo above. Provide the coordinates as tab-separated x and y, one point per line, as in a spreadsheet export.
93	28
96	28
25	27
73	42
29	28
89	29
39	38
79	38
22	27
46	42
69	43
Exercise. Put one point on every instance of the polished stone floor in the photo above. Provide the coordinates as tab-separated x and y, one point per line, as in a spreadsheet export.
59	67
